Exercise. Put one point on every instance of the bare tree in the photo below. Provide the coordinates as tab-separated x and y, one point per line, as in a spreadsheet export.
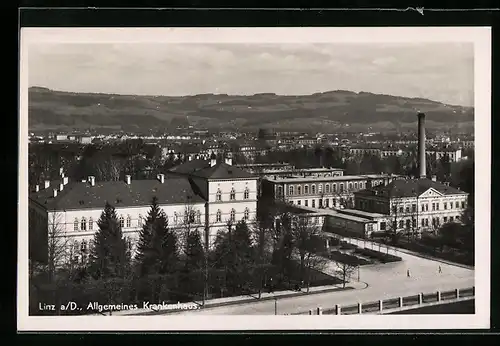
108	170
345	270
263	248
59	251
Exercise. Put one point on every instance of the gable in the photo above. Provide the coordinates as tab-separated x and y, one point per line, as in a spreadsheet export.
431	193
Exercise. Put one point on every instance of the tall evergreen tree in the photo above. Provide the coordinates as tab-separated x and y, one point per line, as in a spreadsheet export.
109	255
144	254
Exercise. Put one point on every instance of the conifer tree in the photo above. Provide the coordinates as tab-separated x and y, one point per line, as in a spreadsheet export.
144	254
108	256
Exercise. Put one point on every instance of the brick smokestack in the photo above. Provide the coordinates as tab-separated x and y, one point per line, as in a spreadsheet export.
421	145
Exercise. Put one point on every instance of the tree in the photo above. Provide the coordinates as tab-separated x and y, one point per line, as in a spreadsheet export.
144	257
57	245
345	270
262	248
108	256
193	271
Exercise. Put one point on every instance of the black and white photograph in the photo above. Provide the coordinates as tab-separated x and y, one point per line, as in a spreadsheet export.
254	178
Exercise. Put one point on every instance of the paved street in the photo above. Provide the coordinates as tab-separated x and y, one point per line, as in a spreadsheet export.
384	281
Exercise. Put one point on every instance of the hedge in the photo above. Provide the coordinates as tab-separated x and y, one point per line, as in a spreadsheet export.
347	259
382	257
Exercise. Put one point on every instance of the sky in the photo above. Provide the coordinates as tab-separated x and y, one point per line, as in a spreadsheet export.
438	71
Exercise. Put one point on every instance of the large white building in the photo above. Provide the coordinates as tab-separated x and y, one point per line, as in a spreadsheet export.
203	194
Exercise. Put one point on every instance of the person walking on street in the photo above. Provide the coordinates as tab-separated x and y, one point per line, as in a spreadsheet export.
439	270
408	272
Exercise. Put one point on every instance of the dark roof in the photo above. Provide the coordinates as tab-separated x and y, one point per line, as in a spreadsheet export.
79	195
410	188
202	169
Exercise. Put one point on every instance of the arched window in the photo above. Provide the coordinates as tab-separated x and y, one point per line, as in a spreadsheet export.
218	195
361	185
306	189
129	221
350	186
246	214
83	224
198	216
299	190
218	217
83	246
313	189
280	190
76	225
290	190
91	224
232	196
246	194
320	188
139	220
356	186
341	187
327	188
233	215
122	221
401	224
334	188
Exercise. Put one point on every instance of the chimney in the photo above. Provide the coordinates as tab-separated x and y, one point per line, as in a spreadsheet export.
47	184
213	162
61	171
421	145
434	178
61	186
55	193
65	180
91	180
37	188
161	178
229	161
62	174
190	158
128	179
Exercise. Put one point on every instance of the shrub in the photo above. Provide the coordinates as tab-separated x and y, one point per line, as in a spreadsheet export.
380	256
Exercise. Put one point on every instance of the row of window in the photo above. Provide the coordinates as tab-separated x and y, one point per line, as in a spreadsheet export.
425	207
322	203
409	223
84	224
232	215
328	188
232	194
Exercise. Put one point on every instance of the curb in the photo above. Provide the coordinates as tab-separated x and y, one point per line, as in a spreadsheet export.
247	301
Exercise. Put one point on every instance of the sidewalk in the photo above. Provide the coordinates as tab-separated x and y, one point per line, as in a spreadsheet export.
360	242
265	296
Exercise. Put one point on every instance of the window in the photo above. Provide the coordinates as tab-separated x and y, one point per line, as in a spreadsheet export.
433	206
350	186
327	188
246	194
218	196
246	214
445	219
91	224
306	202
401	224
361	186
456	205
313	189
198	216
383	226
299	190
122	222
463	205
83	246
83	224
76	226
315	220
408	223
233	215
139	221
457	217
341	187
413	208
426	222
426	207
356	186
445	205
407	208
313	203
280	191
451	205
191	216
306	189
320	203
423	223
326	203
437	206
218	217
334	187
129	221
290	190
232	195
423	207
401	209
320	188
334	202
414	223
298	202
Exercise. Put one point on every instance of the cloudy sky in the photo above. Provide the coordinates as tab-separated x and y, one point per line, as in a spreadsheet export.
442	72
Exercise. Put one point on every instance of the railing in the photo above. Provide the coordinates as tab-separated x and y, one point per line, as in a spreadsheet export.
399	303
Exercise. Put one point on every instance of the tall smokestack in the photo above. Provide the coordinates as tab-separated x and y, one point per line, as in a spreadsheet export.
421	145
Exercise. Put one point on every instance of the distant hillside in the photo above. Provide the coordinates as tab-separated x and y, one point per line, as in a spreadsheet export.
323	111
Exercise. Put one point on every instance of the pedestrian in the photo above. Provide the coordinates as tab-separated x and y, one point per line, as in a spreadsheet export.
439	270
270	285
408	272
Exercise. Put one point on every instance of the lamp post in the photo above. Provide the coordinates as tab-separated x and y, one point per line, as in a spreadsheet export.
275	305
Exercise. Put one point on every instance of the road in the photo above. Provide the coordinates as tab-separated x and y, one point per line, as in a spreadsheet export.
384	281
